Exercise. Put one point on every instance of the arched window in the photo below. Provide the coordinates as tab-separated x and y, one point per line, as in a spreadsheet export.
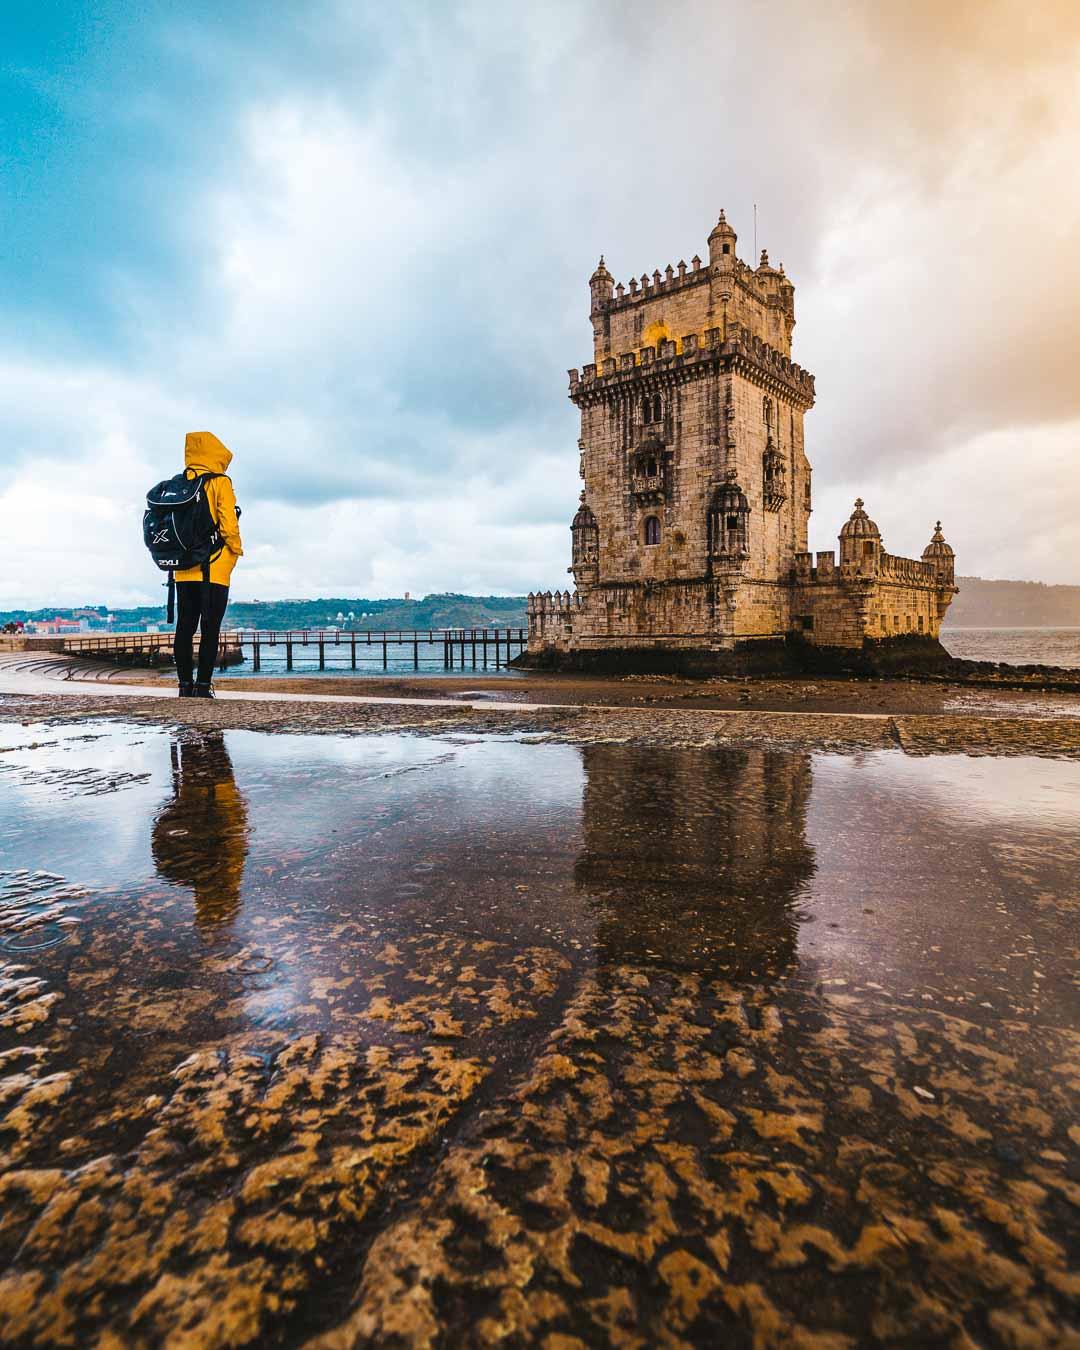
652	530
766	412
658	409
646	409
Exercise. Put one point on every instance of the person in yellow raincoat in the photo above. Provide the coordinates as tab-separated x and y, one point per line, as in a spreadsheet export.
200	836
204	453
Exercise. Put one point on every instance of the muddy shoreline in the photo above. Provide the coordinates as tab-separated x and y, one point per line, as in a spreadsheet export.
824	695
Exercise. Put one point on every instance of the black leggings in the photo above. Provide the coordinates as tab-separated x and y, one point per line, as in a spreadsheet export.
188	617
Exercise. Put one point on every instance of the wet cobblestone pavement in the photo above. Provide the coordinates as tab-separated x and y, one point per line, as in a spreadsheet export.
569	1029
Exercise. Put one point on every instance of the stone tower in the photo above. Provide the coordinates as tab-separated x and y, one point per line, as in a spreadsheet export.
691	534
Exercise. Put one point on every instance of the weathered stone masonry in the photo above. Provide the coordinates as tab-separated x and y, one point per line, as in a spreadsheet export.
692	529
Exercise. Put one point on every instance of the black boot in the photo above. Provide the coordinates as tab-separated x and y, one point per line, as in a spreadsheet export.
203	689
187	689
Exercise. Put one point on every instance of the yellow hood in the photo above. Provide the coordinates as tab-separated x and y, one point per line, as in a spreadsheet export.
203	450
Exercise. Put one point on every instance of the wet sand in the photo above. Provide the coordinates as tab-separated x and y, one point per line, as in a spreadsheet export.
348	1025
766	695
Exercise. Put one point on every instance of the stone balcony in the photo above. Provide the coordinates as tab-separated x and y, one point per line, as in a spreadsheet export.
651	487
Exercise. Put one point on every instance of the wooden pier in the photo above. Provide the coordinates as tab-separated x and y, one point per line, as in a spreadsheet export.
140	649
354	648
459	648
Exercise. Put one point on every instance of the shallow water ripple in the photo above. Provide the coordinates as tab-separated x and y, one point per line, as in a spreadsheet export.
422	1040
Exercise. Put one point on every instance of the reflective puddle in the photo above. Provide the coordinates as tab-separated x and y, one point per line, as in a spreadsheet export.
438	1040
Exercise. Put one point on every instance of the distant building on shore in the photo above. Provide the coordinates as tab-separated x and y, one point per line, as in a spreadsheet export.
692	529
57	625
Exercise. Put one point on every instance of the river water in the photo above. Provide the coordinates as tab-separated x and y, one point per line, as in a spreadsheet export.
1014	646
411	1036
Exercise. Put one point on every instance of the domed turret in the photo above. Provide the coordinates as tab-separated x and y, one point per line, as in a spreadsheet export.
859	525
767	275
860	538
937	547
787	298
601	284
722	244
939	553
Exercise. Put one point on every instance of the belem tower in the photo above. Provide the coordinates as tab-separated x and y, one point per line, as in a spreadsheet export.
692	530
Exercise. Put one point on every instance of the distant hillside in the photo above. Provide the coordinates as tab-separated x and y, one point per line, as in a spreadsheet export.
433	611
1013	604
980	604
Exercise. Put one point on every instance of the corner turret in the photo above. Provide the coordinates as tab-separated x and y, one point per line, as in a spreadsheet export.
941	557
601	285
860	540
585	542
787	300
722	246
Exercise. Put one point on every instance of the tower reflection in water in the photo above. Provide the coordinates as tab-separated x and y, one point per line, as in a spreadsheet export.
696	859
200	837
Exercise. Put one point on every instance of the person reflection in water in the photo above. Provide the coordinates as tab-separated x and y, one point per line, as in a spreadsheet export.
696	861
200	836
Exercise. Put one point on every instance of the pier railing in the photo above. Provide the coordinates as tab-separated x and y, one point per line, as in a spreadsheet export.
478	648
458	648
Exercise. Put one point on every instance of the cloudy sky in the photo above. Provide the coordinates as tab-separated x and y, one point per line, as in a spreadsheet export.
353	240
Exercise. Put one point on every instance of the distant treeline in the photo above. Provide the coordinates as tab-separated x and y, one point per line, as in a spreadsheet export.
980	604
1013	604
433	611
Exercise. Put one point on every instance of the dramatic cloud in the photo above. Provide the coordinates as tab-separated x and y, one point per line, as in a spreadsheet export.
353	240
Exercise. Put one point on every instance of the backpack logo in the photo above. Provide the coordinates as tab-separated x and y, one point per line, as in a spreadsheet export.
162	537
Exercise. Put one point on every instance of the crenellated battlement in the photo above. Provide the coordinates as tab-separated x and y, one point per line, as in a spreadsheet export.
684	276
743	350
544	602
647	288
551	614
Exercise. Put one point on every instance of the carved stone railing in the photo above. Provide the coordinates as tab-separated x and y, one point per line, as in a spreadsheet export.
652	487
906	569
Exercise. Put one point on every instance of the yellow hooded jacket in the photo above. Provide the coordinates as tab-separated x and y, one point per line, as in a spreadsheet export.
204	453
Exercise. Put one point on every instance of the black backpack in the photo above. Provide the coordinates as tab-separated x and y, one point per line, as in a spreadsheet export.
180	531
